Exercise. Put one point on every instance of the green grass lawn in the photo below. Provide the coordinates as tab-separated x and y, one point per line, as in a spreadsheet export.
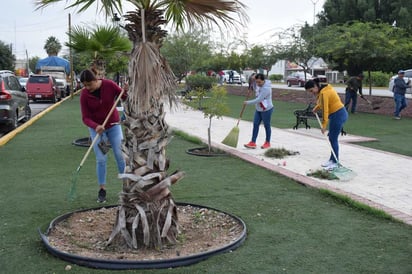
291	228
393	136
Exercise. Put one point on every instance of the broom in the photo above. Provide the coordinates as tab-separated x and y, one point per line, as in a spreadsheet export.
233	136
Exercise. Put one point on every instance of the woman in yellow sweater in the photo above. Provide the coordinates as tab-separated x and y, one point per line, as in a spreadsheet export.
333	111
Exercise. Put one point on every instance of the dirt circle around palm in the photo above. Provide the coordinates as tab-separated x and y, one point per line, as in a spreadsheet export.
80	237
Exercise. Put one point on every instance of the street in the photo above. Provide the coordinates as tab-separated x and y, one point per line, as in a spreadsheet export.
36	108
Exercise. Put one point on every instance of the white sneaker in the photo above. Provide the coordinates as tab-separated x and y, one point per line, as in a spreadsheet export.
327	163
332	166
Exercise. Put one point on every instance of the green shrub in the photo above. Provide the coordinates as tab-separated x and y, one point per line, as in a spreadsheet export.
275	77
199	81
378	78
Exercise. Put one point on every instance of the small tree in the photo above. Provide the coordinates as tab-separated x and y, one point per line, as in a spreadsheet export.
214	106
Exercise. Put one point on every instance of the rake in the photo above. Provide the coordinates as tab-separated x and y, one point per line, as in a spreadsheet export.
75	175
341	172
370	103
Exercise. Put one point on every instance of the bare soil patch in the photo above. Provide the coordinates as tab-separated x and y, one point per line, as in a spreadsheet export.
85	234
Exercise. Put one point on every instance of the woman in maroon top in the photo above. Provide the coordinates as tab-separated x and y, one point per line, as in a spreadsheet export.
96	100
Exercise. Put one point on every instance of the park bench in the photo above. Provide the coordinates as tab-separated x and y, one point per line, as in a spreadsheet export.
302	116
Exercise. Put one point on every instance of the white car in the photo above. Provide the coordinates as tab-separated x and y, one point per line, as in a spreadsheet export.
406	78
23	81
237	78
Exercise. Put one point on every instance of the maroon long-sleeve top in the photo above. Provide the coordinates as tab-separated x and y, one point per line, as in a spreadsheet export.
95	108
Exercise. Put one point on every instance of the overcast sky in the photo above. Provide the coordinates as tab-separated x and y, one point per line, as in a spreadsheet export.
28	29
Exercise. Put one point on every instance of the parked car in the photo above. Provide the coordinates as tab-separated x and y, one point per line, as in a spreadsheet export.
237	78
406	78
297	78
14	102
23	81
43	87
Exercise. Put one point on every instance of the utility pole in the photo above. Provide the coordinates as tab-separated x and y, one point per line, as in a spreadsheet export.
314	2
71	58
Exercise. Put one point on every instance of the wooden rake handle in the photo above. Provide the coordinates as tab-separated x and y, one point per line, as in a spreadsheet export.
97	135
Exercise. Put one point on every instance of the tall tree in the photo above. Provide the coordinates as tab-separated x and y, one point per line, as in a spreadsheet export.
293	46
358	46
186	51
52	46
147	214
393	12
7	58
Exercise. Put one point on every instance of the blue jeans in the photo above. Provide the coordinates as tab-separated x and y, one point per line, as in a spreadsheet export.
260	116
336	121
115	136
400	103
350	95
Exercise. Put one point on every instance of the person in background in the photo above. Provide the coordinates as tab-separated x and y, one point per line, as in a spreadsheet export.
333	112
264	110
354	85
221	75
252	83
399	90
231	74
96	100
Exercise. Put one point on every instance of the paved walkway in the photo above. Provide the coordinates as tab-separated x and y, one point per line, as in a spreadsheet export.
383	179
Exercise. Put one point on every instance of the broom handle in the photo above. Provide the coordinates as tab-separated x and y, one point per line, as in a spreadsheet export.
243	107
327	139
97	135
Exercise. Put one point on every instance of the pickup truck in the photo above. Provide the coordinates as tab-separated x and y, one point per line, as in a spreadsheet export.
59	74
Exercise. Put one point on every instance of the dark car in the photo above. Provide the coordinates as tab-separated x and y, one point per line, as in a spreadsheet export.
43	87
297	78
14	102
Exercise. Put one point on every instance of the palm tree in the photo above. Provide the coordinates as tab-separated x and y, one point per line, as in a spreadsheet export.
52	46
100	43
147	213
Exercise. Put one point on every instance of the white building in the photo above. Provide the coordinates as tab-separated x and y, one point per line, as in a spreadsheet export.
317	66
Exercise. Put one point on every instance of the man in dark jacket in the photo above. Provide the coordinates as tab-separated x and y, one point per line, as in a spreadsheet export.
354	85
399	90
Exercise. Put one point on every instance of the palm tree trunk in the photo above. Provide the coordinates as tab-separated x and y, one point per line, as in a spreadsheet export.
147	213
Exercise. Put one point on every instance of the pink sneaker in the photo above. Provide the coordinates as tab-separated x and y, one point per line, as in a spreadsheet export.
250	145
265	145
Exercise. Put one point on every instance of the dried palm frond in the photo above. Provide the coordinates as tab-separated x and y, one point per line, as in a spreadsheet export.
151	78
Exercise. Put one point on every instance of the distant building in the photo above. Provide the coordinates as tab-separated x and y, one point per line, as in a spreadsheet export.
316	65
21	68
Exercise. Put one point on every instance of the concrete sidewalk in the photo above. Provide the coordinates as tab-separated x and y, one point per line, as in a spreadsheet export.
383	179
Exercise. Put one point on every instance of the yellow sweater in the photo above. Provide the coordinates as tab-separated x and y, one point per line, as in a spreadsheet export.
329	102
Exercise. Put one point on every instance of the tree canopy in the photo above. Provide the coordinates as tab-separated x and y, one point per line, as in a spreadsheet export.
6	57
393	12
52	46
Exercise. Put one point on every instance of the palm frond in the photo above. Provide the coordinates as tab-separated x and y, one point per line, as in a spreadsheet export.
107	7
205	13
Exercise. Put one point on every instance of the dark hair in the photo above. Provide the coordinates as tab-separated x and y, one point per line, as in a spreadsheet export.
87	76
312	83
260	76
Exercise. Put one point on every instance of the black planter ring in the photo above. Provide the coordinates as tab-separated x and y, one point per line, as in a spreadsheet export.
146	264
192	151
82	142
